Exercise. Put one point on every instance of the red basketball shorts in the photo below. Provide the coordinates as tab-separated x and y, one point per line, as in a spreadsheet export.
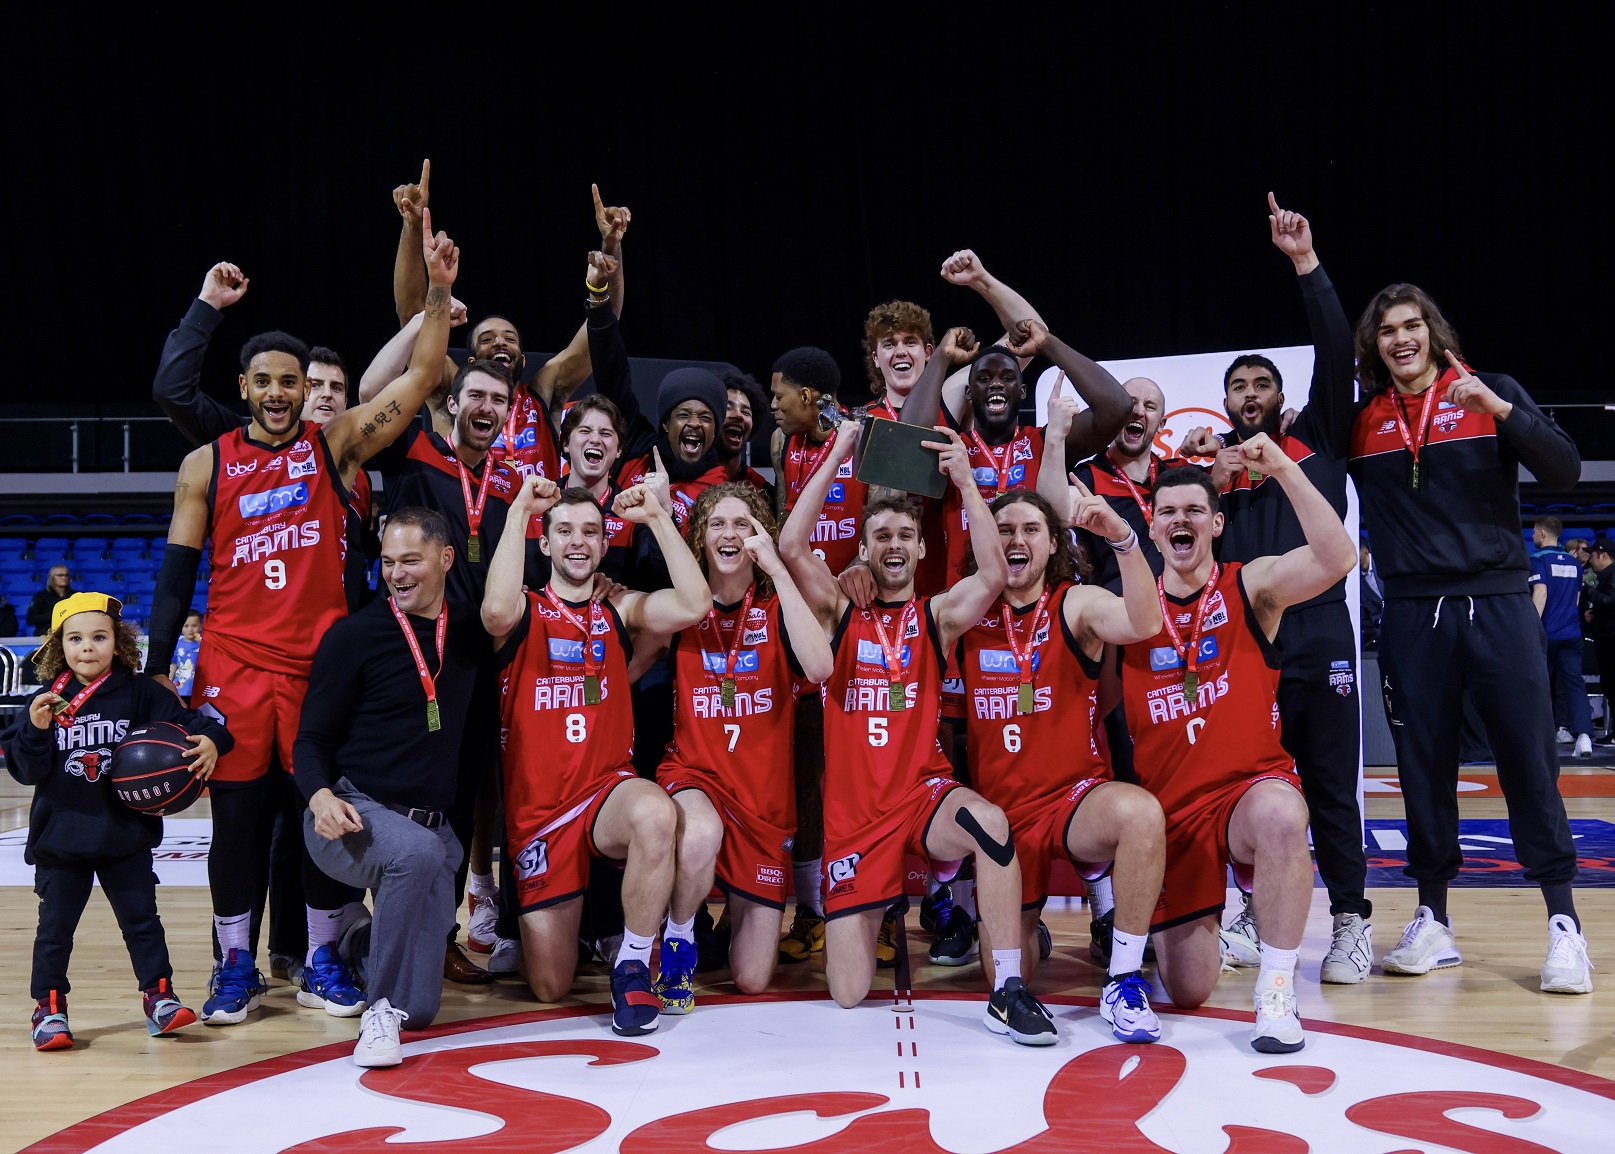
259	708
551	854
754	857
1040	837
864	870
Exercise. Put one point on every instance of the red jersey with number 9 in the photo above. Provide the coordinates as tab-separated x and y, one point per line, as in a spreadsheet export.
279	543
749	746
557	746
1027	761
873	755
835	534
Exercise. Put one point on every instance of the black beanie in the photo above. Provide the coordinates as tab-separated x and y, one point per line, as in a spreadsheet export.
691	384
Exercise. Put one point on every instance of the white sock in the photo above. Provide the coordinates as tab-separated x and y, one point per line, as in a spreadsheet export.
1277	963
1006	965
1102	896
807	877
679	931
232	932
482	886
634	948
324	927
931	884
1127	952
964	895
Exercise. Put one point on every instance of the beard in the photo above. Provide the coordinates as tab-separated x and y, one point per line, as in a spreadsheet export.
1267	423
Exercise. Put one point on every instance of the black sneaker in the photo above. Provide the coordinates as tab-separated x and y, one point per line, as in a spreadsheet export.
1014	1011
711	941
934	907
956	941
1045	941
1100	931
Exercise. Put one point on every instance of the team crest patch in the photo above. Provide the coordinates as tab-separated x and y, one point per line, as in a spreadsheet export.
1341	677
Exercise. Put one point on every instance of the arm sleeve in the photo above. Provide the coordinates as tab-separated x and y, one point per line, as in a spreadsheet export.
328	708
169	604
160	705
29	752
1332	402
614	379
177	387
1532	436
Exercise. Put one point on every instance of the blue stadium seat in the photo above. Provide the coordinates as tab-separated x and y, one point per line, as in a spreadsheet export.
137	519
19	520
121	545
98	519
13	547
89	548
52	547
1577	531
16	565
61	519
140	565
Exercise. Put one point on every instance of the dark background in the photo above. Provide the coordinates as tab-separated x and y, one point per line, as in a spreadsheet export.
786	174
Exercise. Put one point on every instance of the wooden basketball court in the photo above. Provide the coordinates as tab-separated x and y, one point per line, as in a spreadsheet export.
1490	1002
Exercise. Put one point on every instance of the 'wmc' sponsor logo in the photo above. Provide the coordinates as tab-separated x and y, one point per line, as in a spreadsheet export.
273	501
745	661
1166	657
571	652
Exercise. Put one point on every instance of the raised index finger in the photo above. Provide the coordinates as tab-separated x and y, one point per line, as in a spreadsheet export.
656	455
426	224
1452	359
599	205
1272	203
756	525
426	174
1082	490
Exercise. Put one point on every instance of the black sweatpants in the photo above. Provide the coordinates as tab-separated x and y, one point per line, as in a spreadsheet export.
1320	710
130	885
1432	649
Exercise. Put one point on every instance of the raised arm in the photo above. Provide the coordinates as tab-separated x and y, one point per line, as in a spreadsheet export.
665	611
613	225
177	387
1109	406
1523	429
1332	401
924	404
808	640
503	597
392	360
962	605
409	274
1098	613
812	576
1051	470
965	268
1274	583
561	375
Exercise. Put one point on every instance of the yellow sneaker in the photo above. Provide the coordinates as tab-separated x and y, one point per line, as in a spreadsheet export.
886	943
806	938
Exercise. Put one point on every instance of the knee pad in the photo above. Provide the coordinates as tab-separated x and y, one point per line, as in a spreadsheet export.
1001	854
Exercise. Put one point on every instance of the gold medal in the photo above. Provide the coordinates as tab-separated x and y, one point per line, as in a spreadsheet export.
897	702
434	719
1252	476
728	691
473	548
1026	701
1415	474
591	689
1191	686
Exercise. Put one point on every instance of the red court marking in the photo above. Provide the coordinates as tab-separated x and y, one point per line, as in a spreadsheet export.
1570	785
1307	1079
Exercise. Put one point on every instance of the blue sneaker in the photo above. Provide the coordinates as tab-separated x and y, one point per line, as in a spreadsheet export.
328	983
1125	1004
634	1005
673	983
235	989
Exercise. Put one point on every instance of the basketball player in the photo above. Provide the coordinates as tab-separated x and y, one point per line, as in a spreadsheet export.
736	678
1202	696
271	501
888	787
1031	674
570	786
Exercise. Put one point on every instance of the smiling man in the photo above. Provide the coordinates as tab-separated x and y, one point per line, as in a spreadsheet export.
690	408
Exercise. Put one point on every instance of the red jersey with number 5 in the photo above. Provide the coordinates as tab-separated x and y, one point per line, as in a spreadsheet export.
835	535
1026	761
874	755
1183	750
557	746
998	469
279	540
748	747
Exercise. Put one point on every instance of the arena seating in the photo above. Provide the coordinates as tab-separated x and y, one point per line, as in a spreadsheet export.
124	566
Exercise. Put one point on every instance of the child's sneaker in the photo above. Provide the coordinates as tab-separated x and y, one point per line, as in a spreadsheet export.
164	1012
50	1023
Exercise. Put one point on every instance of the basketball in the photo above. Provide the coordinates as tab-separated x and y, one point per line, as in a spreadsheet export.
150	772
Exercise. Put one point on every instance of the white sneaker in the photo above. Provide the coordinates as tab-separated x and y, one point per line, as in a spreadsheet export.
1425	945
1567	970
1563	736
1125	1004
379	1044
1241	944
506	959
479	930
1584	746
1351	951
1278	1021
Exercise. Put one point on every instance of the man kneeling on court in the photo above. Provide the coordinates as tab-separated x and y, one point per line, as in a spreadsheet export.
1202	701
570	787
377	756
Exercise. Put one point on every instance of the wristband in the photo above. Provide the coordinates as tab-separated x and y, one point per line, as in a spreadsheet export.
1221	440
1128	543
599	292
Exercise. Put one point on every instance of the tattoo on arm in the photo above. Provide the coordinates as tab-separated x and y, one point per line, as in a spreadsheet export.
437	301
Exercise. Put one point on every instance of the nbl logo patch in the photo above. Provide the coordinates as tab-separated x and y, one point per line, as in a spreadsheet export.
301	465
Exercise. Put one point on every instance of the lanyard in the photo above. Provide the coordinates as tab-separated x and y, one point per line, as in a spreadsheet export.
1415	442
893	654
434	719
473	512
591	676
1026	699
510	437
1000	471
68	710
1191	681
1132	488
810	466
726	684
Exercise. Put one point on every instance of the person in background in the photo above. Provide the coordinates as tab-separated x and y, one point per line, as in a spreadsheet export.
58	587
1372	594
182	670
1601	614
8	618
1555	585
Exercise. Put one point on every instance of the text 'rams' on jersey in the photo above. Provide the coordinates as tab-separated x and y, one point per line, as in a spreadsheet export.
835	534
1230	732
1024	761
279	545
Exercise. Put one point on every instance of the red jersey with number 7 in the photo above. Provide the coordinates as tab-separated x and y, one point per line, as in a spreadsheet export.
873	754
279	541
558	747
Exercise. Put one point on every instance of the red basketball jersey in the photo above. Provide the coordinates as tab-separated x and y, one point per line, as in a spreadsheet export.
535	448
557	746
748	747
835	536
360	497
1231	731
998	469
873	755
1024	761
682	493
279	544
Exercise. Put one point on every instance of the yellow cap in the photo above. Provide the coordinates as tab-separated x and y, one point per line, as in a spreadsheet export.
84	603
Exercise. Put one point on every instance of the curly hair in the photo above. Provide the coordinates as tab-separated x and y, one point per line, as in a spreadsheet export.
50	659
756	502
1372	372
1069	560
884	320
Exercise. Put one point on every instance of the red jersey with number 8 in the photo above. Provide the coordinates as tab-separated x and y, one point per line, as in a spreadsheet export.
874	755
279	545
1027	761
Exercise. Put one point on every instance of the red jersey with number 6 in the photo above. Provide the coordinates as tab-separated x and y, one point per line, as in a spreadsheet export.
1027	761
1230	732
998	469
874	755
279	542
557	746
747	747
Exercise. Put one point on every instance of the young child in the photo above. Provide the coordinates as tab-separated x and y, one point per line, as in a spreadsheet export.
183	671
78	831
